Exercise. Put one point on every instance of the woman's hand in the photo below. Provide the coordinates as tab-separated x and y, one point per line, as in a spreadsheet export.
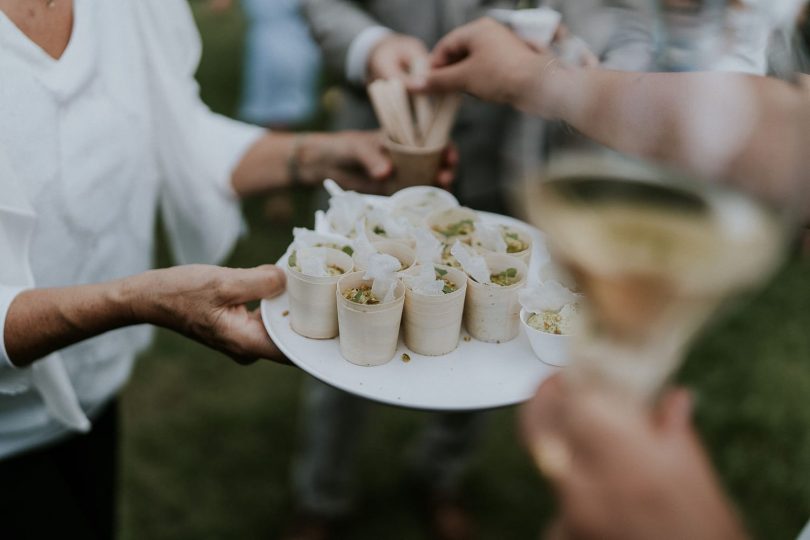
621	471
207	304
354	159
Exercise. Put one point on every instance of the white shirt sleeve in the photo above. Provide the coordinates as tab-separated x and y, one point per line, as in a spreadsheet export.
198	150
359	51
7	296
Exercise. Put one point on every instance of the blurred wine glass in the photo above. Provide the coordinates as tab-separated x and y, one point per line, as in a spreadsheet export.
658	250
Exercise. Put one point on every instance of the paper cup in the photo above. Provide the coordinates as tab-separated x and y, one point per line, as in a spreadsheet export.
432	324
491	312
374	237
445	218
551	349
313	312
417	202
413	165
404	254
368	334
525	255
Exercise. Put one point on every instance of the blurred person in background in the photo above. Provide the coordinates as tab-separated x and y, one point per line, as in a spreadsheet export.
361	42
102	128
281	67
280	75
620	472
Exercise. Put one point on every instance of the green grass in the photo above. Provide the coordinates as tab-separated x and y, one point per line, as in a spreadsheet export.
207	444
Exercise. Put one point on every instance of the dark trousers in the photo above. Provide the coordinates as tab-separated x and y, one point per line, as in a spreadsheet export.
64	490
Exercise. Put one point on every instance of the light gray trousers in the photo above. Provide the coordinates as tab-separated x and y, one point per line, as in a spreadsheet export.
332	424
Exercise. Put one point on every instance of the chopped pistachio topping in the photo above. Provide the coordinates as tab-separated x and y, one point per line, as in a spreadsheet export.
449	286
361	295
448	259
506	278
513	242
550	322
460	228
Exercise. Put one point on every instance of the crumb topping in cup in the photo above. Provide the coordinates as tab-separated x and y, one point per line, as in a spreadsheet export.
464	227
506	278
449	286
361	295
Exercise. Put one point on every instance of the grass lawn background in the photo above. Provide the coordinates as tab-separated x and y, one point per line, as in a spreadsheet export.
207	444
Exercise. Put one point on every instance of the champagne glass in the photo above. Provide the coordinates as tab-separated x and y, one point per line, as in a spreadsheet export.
657	249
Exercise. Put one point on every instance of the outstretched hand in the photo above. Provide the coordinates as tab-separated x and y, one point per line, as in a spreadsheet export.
483	58
207	304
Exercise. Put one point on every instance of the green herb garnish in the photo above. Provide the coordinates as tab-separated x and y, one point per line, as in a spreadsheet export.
379	230
460	228
361	295
440	271
506	278
348	250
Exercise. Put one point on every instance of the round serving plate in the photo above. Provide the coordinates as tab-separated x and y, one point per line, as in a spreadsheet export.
475	376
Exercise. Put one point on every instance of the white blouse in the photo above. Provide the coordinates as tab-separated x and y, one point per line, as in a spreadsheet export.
95	143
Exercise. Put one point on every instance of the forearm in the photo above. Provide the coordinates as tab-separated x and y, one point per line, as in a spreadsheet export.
755	127
41	321
266	165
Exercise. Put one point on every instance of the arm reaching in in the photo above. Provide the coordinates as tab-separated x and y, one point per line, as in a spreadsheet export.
740	128
355	159
204	303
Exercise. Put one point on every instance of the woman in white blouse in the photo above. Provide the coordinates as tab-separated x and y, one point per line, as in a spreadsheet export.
101	127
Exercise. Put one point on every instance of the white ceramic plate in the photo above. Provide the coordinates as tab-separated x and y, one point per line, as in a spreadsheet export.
475	376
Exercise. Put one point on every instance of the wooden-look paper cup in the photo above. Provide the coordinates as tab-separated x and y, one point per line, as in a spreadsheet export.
313	312
432	324
404	254
444	218
413	165
492	312
368	334
525	237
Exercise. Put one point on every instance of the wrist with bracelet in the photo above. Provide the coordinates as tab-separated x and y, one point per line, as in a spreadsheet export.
294	160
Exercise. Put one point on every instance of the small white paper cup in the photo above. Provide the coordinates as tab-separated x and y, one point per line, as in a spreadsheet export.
368	334
492	312
432	324
403	253
551	349
525	237
313	312
444	218
417	202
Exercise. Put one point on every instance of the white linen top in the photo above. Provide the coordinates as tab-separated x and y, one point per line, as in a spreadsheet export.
95	143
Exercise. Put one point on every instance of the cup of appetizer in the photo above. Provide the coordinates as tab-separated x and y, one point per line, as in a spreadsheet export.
312	277
414	165
549	335
434	304
491	310
453	224
369	326
383	225
507	239
417	202
404	254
